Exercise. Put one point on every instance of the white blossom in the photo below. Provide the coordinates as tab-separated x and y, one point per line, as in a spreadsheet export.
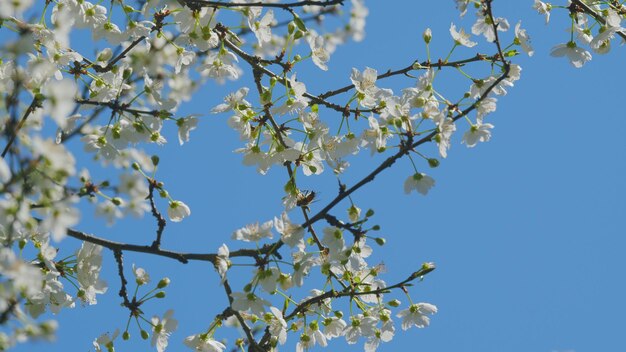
178	210
417	315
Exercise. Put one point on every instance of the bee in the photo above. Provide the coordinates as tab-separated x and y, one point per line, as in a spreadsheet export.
305	198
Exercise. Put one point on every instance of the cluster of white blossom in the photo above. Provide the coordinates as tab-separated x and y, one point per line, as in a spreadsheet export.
151	56
605	17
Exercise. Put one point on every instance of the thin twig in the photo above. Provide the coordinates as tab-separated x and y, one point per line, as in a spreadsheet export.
157	215
31	108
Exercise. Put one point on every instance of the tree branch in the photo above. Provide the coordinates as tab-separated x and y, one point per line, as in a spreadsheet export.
192	3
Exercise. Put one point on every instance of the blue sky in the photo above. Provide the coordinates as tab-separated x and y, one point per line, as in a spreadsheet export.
527	230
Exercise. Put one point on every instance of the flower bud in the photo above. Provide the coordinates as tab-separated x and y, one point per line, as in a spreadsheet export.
144	334
160	294
126	336
155	160
105	55
427	35
432	162
394	303
163	283
380	241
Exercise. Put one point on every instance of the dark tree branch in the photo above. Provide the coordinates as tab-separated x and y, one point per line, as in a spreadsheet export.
157	215
117	107
120	271
31	108
285	6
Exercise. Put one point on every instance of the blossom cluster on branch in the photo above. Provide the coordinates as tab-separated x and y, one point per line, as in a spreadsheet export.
151	56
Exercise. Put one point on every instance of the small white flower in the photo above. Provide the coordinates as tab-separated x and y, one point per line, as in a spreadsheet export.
277	325
416	315
262	28
185	58
291	234
222	263
360	326
185	125
420	182
522	39
543	8
88	266
319	53
334	327
141	276
479	132
254	232
484	25
577	56
105	340
234	101
244	301
178	210
460	37
162	329
205	343
59	101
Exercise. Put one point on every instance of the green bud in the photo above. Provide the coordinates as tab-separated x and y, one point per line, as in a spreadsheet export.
380	241
163	283
160	294
266	97
144	334
297	58
369	213
126	336
298	35
247	288
427	35
136	166
300	23
376	227
155	160
432	162
117	201
127	73
511	53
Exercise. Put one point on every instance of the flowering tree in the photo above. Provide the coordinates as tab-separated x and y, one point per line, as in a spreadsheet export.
59	103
